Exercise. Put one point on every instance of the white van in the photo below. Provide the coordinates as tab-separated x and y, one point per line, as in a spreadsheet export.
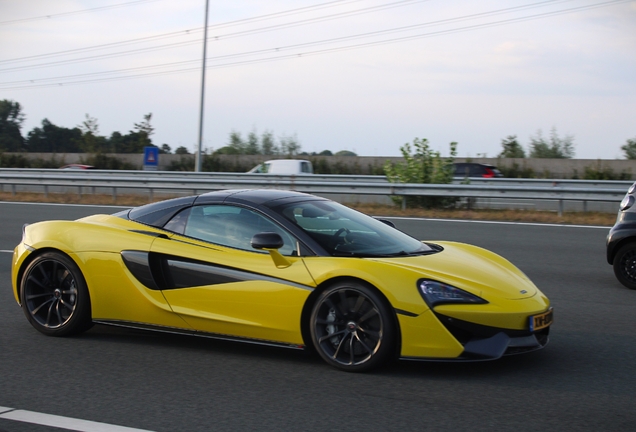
284	167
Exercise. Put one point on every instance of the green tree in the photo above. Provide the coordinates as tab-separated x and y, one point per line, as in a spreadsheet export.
116	142
345	153
91	141
630	148
289	145
268	144
252	147
54	139
554	148
165	149
422	165
236	144
181	150
132	142
11	118
143	130
511	148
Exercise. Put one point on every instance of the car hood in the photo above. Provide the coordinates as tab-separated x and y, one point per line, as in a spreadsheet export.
470	268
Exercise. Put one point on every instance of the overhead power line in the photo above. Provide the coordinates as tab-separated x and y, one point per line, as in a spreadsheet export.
312	43
33	84
377	8
186	31
81	11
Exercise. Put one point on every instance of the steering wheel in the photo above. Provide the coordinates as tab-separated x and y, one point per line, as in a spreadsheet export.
335	239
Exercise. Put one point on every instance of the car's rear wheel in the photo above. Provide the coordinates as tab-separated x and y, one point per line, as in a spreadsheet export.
54	295
352	327
625	265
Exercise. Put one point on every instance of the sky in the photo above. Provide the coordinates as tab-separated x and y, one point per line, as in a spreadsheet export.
366	76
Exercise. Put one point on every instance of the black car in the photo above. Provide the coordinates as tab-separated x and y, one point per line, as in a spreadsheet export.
621	241
470	169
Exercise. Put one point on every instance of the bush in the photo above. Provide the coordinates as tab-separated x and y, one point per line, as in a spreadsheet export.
101	161
183	164
19	161
515	171
591	173
212	163
424	166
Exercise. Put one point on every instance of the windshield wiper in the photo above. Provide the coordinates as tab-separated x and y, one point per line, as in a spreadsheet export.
414	253
382	255
351	254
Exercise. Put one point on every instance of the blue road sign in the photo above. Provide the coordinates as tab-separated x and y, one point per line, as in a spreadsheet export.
151	158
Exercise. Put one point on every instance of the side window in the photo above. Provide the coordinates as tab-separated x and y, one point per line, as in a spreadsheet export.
178	222
462	170
233	226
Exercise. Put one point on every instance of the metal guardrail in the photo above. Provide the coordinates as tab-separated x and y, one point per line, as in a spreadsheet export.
314	177
317	177
192	175
179	183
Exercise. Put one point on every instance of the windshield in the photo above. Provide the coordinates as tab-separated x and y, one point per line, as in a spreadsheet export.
346	232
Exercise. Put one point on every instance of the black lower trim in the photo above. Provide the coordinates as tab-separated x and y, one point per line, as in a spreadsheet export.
187	332
492	348
465	331
488	343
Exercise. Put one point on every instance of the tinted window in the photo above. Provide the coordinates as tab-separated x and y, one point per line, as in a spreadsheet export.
306	167
233	226
345	232
178	222
462	170
157	214
477	170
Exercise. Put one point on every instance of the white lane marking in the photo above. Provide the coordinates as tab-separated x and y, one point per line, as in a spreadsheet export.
62	422
496	222
6	251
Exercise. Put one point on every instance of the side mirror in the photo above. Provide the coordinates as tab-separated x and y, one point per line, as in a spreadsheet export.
267	240
387	222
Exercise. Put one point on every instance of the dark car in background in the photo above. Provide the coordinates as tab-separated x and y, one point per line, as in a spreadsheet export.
621	241
470	169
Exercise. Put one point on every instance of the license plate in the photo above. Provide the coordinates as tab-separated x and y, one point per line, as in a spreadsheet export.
537	322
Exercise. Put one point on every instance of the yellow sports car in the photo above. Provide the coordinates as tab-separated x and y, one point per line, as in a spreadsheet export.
282	268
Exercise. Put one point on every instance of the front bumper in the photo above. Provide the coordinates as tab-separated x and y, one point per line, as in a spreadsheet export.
489	343
436	337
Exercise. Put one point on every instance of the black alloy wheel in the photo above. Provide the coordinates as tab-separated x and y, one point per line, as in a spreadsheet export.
352	327
54	295
625	265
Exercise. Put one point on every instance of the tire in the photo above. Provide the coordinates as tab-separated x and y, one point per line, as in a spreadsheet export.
352	327
625	265
54	295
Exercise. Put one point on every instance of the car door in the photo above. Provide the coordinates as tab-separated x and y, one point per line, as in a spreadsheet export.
218	283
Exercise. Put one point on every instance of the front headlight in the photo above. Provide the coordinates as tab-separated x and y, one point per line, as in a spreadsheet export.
627	202
435	293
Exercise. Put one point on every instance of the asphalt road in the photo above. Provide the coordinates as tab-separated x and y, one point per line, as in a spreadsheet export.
583	380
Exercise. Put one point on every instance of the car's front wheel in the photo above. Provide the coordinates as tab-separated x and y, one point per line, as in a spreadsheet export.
352	327
54	295
625	265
